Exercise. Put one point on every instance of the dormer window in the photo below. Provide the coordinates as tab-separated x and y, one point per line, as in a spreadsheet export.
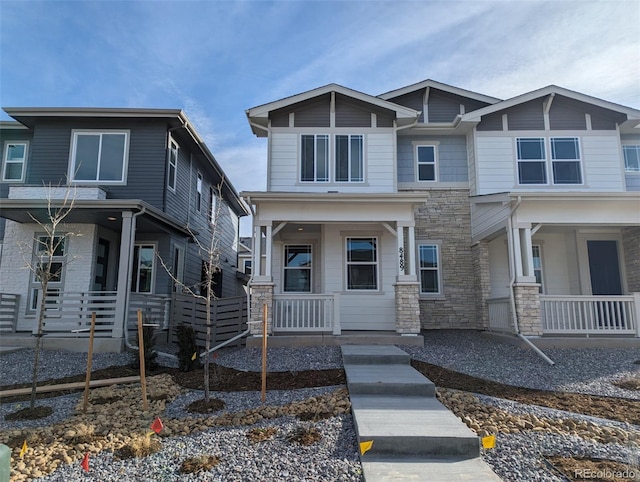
99	156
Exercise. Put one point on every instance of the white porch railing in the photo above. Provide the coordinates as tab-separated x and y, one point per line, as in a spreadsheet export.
8	311
598	315
500	315
302	312
67	311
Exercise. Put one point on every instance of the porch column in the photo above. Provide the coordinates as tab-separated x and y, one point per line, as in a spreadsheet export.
127	238
412	251
407	307
268	248
257	248
401	253
261	295
528	311
517	252
527	253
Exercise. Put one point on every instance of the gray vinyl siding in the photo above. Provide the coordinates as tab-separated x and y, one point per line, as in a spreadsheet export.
12	135
452	158
603	119
527	116
315	113
491	122
567	114
279	118
413	100
184	195
442	107
632	182
384	119
352	114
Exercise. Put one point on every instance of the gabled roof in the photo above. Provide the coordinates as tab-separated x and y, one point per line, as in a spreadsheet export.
258	116
548	90
440	86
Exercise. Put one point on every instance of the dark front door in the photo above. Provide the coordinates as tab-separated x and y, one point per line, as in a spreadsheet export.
102	258
604	267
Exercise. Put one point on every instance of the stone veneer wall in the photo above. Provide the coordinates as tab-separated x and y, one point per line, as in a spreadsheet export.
528	308
261	294
407	308
482	282
631	246
445	217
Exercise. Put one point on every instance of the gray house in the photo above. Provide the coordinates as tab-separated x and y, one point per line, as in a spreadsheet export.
143	183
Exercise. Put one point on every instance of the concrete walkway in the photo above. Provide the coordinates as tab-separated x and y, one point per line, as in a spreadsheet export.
414	436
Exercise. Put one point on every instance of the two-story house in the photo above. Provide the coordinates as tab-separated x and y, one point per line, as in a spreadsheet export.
435	207
143	184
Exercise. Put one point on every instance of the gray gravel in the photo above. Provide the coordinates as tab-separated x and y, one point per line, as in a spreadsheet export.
517	457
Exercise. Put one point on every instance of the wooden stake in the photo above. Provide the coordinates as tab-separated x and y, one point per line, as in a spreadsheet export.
87	380
264	353
143	380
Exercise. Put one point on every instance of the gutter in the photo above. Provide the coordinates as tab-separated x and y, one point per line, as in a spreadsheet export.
512	282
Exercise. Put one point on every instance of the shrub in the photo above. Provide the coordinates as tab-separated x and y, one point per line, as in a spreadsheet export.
186	336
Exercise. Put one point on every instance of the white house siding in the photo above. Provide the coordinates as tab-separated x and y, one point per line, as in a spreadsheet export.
499	267
556	258
360	310
603	167
495	164
378	163
18	247
488	217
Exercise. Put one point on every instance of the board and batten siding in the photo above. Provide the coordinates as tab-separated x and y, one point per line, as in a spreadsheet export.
452	158
284	168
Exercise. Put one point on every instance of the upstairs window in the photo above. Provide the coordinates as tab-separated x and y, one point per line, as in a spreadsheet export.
532	161
15	159
213	205
297	268
565	159
172	168
198	192
314	163
99	156
426	161
631	158
362	264
349	158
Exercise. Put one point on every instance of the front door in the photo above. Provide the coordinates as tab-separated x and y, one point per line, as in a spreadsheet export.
604	267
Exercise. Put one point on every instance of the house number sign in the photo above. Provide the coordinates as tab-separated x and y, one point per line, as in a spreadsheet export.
401	258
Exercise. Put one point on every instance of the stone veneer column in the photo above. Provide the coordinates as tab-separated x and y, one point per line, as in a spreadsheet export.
480	252
407	308
631	246
261	294
528	308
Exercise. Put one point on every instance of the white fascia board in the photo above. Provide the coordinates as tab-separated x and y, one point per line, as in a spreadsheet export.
308	197
262	111
475	115
440	86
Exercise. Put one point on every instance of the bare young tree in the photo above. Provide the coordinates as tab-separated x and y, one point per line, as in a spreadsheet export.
205	290
43	262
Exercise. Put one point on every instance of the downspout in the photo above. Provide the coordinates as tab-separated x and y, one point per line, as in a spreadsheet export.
512	283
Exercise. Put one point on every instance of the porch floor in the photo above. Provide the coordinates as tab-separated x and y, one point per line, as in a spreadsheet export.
346	338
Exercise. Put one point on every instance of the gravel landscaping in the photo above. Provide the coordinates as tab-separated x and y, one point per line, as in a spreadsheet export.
519	453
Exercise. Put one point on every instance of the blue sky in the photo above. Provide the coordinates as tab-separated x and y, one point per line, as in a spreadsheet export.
215	59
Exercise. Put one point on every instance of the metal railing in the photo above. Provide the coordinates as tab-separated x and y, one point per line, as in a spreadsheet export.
500	316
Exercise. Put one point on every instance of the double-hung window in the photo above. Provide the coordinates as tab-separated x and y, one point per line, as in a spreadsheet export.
631	158
99	156
172	168
314	165
349	158
15	159
429	268
532	161
362	264
426	161
565	159
143	268
49	263
536	252
297	268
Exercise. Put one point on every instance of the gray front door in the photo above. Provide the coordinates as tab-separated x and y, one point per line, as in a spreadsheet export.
604	266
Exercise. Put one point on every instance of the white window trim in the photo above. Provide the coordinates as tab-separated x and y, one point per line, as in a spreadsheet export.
199	183
72	156
213	204
331	159
349	162
533	248
347	263
544	160
624	158
578	160
173	153
285	267
436	170
5	160
53	286
438	245
245	263
315	160
154	273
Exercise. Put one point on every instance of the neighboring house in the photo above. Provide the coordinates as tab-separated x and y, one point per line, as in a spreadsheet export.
142	181
435	207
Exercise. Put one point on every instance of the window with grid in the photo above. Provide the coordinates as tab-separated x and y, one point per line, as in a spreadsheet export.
532	161
314	162
297	268
565	160
349	158
362	264
631	158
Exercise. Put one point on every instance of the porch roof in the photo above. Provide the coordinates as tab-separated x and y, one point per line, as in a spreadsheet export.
106	213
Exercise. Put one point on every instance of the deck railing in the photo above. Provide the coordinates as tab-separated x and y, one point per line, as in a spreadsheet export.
597	315
500	315
155	309
8	312
302	312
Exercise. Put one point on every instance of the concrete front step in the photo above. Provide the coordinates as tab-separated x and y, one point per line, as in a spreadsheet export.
387	380
411	425
374	355
432	470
